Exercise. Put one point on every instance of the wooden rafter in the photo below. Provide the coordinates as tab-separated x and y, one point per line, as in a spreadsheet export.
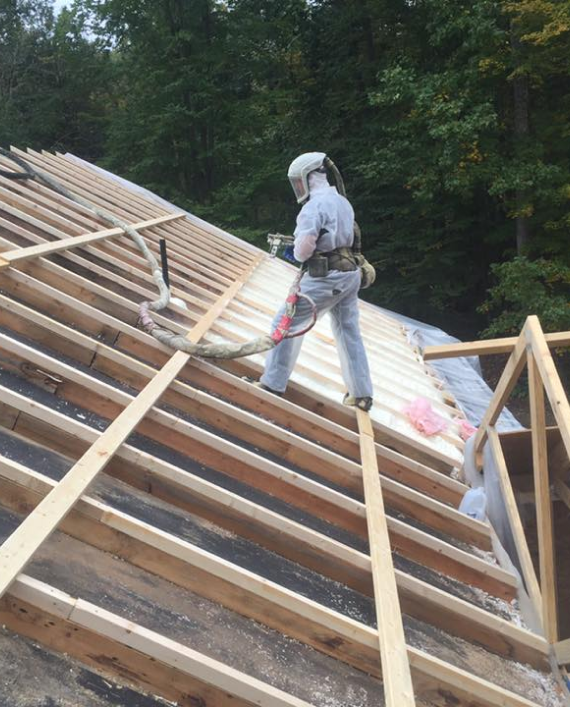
18	549
488	347
18	255
292	540
398	687
246	593
319	439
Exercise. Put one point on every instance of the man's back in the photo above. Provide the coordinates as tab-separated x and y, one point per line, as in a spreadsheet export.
327	213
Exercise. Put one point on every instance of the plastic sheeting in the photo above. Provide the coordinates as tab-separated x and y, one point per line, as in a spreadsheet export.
462	375
464	379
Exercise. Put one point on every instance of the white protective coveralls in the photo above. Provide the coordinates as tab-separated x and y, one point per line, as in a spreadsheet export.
337	293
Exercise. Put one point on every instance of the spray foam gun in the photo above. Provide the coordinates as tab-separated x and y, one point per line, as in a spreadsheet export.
277	241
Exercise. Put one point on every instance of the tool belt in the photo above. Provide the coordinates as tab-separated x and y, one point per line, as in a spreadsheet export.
341	259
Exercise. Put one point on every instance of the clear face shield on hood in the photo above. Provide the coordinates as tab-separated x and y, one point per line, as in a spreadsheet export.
301	188
299	171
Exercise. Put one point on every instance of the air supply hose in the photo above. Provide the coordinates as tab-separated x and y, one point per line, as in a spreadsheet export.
175	341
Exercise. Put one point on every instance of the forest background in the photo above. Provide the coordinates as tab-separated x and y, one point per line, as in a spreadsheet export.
450	120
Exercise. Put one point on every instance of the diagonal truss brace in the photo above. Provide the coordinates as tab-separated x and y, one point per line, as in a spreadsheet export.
20	547
13	257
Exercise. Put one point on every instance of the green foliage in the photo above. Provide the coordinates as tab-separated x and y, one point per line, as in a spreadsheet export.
52	80
525	287
207	101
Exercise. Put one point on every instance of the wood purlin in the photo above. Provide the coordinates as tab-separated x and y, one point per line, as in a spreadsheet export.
137	197
255	330
294	541
108	401
427	669
52	223
45	249
216	579
18	549
119	306
182	236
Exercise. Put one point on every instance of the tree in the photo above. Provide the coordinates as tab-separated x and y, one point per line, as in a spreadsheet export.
51	80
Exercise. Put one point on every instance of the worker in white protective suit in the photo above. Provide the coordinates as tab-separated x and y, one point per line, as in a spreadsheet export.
323	240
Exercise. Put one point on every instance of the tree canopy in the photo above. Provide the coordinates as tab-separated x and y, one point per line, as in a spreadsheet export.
448	118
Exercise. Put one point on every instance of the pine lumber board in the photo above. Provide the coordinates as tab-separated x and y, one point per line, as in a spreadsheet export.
105	327
413	543
206	232
515	522
18	549
489	346
398	687
205	680
393	464
402	440
507	382
200	571
543	503
292	540
18	255
115	197
268	476
52	222
78	625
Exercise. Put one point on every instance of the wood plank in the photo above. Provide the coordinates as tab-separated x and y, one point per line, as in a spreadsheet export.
72	625
82	289
111	195
507	382
20	546
226	686
200	571
544	521
550	379
398	687
515	522
489	346
227	457
260	432
277	533
13	257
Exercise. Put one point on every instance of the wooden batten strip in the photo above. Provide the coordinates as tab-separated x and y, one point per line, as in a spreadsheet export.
206	679
113	196
277	533
19	547
490	346
18	255
265	475
398	687
125	311
92	625
468	569
71	342
200	571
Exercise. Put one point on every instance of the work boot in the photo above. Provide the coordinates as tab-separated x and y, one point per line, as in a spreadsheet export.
361	403
259	384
